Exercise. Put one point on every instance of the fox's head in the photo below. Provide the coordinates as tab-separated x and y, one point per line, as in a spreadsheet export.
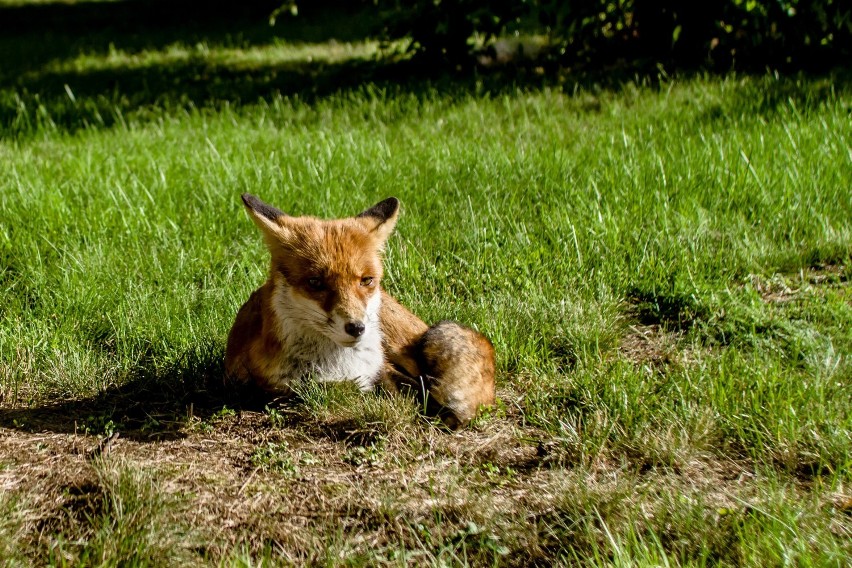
326	274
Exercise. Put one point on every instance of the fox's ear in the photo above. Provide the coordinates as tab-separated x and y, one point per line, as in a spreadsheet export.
382	217
263	214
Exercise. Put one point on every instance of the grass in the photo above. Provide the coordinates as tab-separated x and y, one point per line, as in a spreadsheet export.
663	267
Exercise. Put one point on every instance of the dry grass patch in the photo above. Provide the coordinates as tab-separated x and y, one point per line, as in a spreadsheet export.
781	288
650	345
335	486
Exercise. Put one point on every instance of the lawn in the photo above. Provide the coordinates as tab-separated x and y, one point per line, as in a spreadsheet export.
662	264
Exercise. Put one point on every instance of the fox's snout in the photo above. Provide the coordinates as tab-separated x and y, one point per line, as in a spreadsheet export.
355	328
351	320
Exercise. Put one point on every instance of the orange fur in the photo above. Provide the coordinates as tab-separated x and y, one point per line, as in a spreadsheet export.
321	314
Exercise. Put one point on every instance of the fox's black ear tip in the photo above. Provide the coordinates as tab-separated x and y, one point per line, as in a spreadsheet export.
389	206
261	208
382	210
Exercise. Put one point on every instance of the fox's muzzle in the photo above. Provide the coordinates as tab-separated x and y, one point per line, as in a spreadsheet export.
355	328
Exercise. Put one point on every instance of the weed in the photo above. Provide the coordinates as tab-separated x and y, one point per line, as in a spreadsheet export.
275	416
371	455
275	457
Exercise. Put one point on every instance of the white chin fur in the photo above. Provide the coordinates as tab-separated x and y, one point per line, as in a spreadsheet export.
337	331
311	348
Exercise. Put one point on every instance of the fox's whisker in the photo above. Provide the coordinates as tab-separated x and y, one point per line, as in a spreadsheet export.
313	312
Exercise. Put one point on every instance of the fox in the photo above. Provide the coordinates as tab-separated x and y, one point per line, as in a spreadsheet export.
322	315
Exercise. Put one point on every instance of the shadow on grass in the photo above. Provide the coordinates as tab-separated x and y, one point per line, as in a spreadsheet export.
152	405
167	403
44	85
83	64
674	312
50	31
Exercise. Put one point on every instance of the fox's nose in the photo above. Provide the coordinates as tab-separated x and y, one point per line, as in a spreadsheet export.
354	328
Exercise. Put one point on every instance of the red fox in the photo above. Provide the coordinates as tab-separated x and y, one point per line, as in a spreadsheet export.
322	315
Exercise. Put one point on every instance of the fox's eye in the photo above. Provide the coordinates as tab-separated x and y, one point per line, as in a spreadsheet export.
367	281
315	284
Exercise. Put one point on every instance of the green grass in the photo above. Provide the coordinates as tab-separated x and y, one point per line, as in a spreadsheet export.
663	268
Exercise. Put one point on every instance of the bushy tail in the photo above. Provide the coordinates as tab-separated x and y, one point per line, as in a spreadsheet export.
458	366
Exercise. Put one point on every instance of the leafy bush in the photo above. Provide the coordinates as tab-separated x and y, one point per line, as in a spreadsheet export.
742	33
445	29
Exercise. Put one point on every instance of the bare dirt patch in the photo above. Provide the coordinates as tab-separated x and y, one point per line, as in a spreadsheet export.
359	477
499	475
650	345
251	481
788	287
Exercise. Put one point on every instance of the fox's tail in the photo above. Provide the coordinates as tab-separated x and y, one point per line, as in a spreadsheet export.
457	368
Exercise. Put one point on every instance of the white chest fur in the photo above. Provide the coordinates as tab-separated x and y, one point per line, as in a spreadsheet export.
313	356
308	354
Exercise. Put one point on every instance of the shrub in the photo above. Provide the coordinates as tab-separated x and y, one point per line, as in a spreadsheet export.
740	33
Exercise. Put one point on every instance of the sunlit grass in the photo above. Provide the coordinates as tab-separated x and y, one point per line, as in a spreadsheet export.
663	269
214	59
17	3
